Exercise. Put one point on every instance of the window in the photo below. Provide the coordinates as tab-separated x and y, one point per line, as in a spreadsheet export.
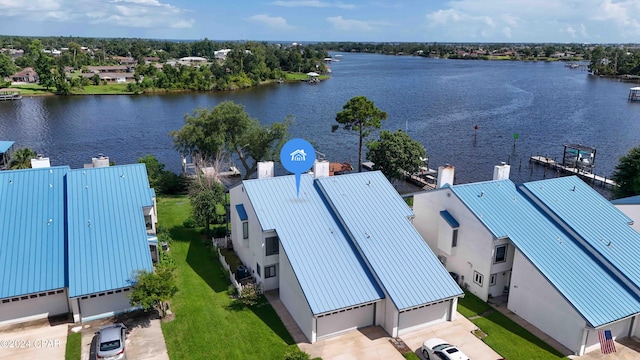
501	253
272	245
147	222
269	271
478	278
454	240
245	230
492	279
258	269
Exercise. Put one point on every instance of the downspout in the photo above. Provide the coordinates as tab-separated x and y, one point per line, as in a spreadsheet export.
583	342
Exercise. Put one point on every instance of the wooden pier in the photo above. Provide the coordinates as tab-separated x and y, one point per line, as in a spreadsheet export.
586	176
426	178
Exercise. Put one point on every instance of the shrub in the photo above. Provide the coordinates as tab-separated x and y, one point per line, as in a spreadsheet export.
294	353
189	223
250	294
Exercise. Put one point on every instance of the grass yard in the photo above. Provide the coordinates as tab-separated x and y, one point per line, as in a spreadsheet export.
73	349
504	335
109	89
206	324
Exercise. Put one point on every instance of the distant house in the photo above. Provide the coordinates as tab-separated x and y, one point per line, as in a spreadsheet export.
562	256
71	239
27	75
222	54
124	60
343	255
192	60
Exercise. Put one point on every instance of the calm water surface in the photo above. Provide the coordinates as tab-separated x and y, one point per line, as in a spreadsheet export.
437	101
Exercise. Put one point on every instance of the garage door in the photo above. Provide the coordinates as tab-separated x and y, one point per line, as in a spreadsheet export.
33	307
344	320
104	304
422	317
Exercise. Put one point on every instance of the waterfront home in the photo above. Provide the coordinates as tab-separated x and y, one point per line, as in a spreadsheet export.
342	255
555	251
70	240
27	75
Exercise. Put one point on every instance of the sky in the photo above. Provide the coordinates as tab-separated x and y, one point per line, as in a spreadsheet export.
483	21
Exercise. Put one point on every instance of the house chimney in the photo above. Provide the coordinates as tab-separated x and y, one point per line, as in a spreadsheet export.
320	169
265	169
100	161
501	172
445	175
40	162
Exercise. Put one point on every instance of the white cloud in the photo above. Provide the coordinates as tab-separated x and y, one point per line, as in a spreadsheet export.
314	3
125	13
540	20
349	25
275	22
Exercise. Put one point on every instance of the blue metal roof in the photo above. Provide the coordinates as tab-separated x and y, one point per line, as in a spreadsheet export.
329	270
377	219
32	217
631	200
106	228
449	219
242	213
598	295
5	145
603	226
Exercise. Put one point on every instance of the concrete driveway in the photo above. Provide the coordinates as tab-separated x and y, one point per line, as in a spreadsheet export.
144	337
367	343
457	332
39	340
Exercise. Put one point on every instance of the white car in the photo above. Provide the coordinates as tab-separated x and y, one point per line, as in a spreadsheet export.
436	349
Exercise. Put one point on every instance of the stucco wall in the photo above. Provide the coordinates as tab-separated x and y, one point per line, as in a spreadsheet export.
534	299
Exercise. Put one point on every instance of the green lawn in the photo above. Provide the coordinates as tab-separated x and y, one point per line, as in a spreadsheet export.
74	343
206	324
504	335
109	89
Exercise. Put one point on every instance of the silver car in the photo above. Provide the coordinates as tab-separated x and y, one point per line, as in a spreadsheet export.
111	341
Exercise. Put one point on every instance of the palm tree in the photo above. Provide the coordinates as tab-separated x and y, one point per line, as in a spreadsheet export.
21	159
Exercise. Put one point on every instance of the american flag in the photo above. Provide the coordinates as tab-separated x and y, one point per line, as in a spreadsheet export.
607	345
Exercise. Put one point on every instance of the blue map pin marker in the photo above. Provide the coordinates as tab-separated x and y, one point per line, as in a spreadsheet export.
297	156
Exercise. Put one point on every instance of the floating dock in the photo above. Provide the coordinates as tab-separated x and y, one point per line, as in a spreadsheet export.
587	176
426	178
634	94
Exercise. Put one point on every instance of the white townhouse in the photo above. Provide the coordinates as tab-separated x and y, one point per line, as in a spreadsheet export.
343	254
564	256
71	239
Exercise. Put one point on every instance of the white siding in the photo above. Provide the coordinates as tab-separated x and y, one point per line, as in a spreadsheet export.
391	317
475	243
334	324
293	299
106	305
33	308
534	299
422	317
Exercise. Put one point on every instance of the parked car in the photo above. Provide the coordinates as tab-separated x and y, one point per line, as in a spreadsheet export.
436	349
111	341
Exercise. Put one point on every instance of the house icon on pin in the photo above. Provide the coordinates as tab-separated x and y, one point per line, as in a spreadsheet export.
298	155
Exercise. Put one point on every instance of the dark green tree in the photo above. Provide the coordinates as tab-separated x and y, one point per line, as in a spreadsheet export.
360	114
395	153
44	67
163	181
153	289
7	67
213	135
627	174
21	159
207	197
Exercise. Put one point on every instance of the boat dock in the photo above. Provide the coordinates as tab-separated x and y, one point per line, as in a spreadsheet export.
10	94
634	94
586	176
426	178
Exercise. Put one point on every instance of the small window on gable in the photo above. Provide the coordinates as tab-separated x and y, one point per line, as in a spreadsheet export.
245	230
492	279
272	245
478	278
454	238
501	253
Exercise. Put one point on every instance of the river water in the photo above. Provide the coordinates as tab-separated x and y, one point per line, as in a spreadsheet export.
438	102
